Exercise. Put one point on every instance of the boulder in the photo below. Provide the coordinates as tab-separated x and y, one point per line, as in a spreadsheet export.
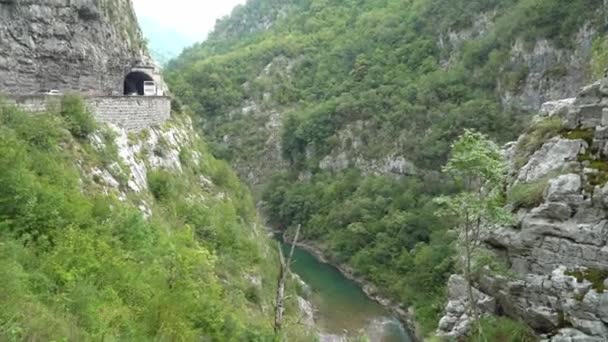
556	108
553	211
590	327
589	116
573	335
456	320
589	95
565	188
542	318
552	156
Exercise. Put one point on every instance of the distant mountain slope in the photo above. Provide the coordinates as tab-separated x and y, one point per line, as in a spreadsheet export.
341	113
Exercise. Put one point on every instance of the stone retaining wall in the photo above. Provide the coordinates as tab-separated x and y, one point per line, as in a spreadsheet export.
130	112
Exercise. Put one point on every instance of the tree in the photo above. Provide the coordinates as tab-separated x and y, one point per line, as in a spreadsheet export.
279	309
478	167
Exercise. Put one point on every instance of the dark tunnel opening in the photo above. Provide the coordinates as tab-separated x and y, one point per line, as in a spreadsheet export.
134	83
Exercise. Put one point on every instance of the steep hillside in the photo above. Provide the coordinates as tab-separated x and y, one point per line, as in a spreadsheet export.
340	113
109	235
408	74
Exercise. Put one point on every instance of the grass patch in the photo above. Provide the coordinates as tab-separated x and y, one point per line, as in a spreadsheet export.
600	177
535	137
583	134
528	195
594	276
501	329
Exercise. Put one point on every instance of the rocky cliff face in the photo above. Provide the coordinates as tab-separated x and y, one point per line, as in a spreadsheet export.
557	251
552	72
539	71
81	45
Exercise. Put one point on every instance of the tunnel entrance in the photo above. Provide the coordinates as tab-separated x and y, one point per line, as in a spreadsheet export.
134	83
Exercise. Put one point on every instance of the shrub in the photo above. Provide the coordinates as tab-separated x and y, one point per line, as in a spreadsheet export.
163	185
253	295
535	137
79	121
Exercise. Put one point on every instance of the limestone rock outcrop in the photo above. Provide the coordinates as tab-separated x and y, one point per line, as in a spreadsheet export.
557	250
68	45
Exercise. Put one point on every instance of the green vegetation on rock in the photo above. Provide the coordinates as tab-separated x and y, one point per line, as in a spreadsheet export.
502	329
535	137
595	276
528	195
79	264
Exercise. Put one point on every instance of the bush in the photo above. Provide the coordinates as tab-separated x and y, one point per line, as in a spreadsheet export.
79	121
253	295
163	185
501	329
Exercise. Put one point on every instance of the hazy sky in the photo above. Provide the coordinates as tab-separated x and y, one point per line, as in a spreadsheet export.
192	18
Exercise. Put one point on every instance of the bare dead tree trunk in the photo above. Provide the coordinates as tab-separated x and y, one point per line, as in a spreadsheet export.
280	304
472	233
283	271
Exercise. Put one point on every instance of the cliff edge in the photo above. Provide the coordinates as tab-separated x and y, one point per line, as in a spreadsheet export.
556	252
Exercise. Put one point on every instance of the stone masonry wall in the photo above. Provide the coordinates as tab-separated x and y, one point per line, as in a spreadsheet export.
132	113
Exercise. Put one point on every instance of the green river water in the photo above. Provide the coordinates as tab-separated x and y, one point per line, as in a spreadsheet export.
341	306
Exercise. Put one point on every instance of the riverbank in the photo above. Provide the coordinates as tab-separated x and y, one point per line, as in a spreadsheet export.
406	316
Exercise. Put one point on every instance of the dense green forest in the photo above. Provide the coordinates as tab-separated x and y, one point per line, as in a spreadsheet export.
326	64
80	264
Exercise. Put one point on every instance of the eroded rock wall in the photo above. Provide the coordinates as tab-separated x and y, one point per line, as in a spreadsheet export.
68	45
558	249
